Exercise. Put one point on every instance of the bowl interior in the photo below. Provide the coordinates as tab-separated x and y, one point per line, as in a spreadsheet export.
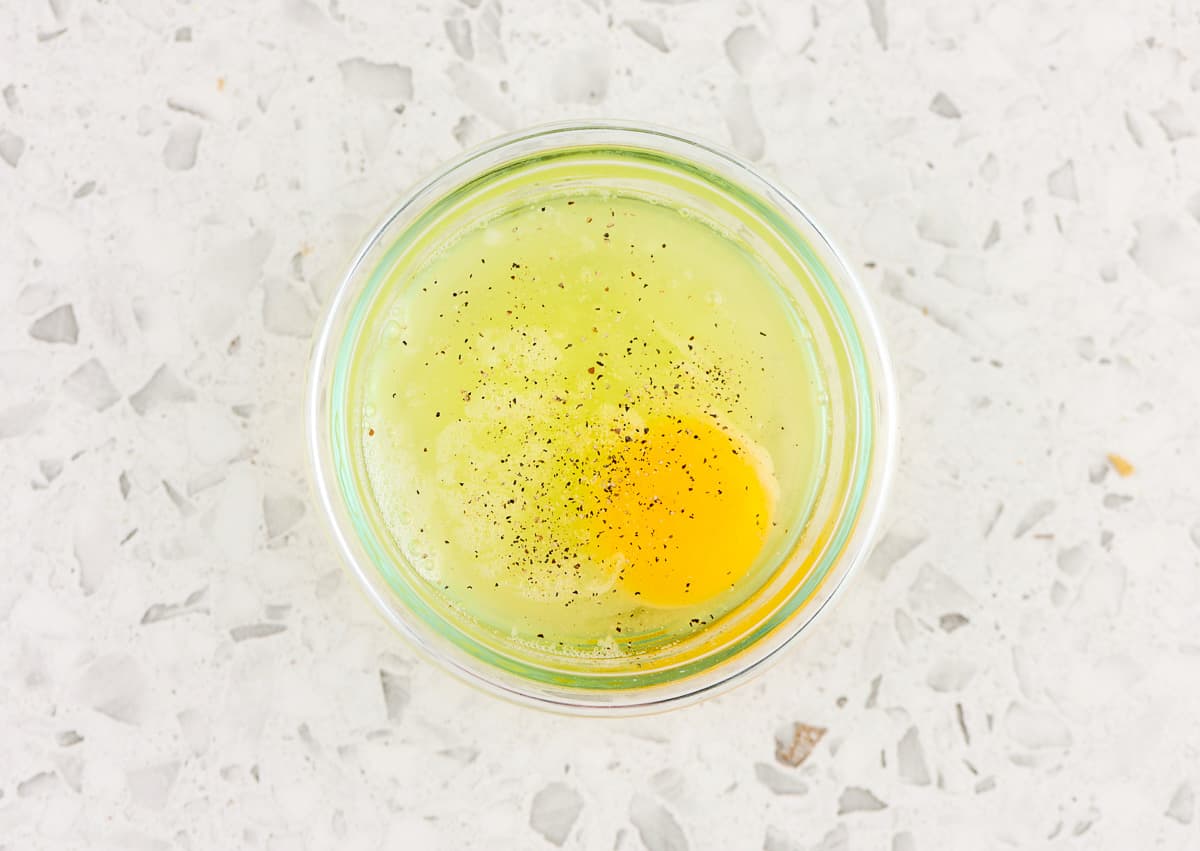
803	561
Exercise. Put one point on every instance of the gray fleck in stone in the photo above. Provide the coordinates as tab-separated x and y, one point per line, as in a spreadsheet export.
1059	594
166	611
960	716
310	742
891	548
554	811
941	226
115	686
33	298
488	42
777	840
744	130
952	621
463	753
656	826
397	692
458	30
989	169
308	15
251	631
1194	534
1085	347
85	189
92	550
1182	807
1193	206
386	80
179	154
123	484
281	513
993	236
42	783
669	784
12	147
1116	500
1037	512
943	106
183	34
779	781
1036	729
837	839
745	47
949	675
910	759
474	4
162	389
933	591
796	742
194	725
57	326
649	32
1165	250
987	784
10	98
51	468
159	612
1061	182
903	841
150	787
1135	132
855	799
467	131
873	695
877	9
190	107
204	481
90	386
68	738
1174	121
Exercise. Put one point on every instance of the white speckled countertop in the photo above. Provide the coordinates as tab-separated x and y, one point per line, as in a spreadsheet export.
183	663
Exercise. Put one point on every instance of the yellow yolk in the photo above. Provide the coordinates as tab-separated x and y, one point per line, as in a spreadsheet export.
685	512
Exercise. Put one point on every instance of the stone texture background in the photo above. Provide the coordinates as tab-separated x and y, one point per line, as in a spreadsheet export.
184	665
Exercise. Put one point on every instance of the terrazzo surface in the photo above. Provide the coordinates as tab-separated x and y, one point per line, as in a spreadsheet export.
184	663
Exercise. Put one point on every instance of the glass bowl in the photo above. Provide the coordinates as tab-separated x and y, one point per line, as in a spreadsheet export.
838	523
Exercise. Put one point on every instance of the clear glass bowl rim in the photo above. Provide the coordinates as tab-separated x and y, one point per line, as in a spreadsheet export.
880	397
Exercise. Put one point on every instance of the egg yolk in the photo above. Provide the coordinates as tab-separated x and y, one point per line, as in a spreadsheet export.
684	512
